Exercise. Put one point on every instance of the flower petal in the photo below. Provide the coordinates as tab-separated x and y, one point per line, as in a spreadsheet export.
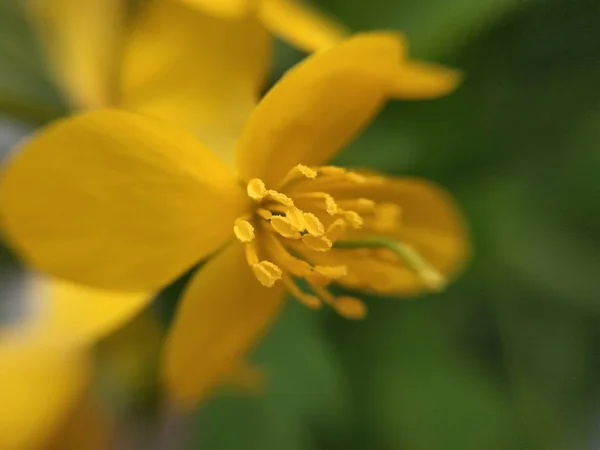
81	38
75	316
117	201
195	70
224	311
301	24
319	106
225	9
431	222
38	391
418	80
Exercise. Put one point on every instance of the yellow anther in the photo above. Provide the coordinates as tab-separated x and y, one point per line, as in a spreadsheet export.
284	227
332	272
309	300
296	218
306	171
313	225
266	273
330	205
350	307
336	230
353	218
317	243
264	213
243	230
256	189
280	198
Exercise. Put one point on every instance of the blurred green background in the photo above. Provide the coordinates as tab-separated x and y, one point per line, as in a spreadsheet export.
508	358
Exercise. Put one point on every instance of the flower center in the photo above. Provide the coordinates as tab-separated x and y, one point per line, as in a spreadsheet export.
286	226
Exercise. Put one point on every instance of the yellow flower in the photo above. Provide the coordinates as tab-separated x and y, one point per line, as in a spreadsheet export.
120	201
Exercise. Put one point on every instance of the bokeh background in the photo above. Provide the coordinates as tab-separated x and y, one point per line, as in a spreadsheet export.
508	358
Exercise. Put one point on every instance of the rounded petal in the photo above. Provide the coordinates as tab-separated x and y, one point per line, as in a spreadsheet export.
225	9
431	222
301	24
81	38
196	70
72	315
117	201
38	392
224	311
318	106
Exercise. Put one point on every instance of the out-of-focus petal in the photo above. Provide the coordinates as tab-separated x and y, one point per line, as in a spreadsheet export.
223	312
301	24
117	201
73	316
197	70
38	391
418	80
81	38
319	106
225	9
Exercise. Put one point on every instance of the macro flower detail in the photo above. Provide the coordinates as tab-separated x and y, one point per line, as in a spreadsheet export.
116	200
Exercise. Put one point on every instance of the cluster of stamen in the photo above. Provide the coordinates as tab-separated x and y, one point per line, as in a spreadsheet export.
282	227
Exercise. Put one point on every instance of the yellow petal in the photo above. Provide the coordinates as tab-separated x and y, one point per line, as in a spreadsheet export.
431	222
37	395
117	201
81	38
224	311
195	70
72	315
301	24
318	106
225	9
417	80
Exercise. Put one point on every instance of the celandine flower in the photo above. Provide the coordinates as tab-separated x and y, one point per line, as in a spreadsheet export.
118	201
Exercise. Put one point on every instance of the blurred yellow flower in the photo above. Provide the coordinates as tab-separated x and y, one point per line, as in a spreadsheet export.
120	201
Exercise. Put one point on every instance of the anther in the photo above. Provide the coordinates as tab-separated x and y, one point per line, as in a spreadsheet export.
317	243
296	218
313	224
243	230
354	218
306	171
266	273
350	307
264	213
336	230
280	198
284	227
256	189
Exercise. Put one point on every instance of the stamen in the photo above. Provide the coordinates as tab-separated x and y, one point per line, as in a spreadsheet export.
267	273
251	254
284	227
313	225
243	230
317	243
360	204
309	300
296	218
332	272
330	205
350	308
354	218
256	189
297	171
279	254
264	213
280	198
337	229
